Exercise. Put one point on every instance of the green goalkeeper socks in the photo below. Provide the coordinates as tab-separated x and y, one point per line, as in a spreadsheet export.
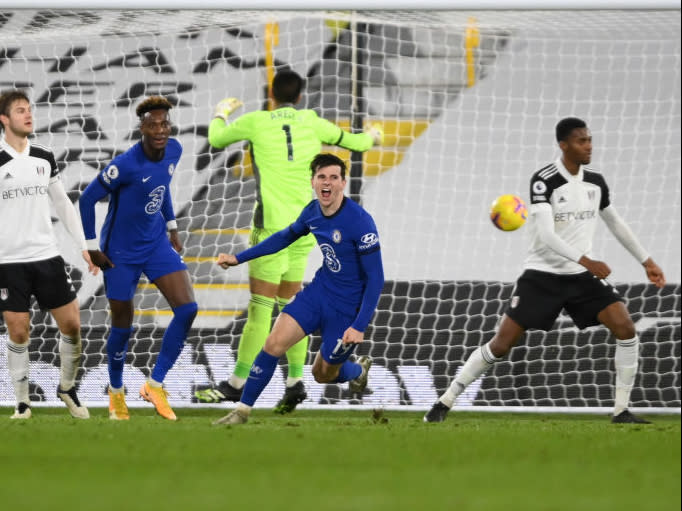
256	330
296	358
296	355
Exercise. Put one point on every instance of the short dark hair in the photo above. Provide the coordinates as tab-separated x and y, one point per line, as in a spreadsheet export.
565	127
327	160
287	86
7	98
152	103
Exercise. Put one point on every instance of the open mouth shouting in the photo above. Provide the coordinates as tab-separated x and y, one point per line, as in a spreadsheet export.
328	183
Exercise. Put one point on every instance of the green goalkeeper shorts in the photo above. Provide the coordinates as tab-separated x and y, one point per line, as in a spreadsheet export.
288	264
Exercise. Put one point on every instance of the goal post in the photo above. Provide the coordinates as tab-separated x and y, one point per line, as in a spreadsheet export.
468	99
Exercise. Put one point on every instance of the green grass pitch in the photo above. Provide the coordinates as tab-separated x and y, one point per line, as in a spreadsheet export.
338	461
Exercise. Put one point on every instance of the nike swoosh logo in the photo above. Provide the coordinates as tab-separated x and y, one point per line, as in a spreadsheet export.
312	227
145	179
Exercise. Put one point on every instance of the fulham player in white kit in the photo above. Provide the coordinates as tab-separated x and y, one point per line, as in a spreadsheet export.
30	263
567	198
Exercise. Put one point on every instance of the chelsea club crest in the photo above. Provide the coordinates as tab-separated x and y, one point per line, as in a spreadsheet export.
336	236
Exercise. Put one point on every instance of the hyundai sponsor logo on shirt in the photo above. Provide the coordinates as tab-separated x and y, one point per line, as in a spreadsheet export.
368	240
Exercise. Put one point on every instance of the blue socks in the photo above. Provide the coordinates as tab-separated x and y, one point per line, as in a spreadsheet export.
349	371
171	346
264	367
174	339
117	347
261	373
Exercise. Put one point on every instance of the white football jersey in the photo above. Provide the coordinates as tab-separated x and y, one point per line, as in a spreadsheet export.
575	202
27	233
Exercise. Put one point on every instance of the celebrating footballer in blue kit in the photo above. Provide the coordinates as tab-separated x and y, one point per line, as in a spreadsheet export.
340	300
134	241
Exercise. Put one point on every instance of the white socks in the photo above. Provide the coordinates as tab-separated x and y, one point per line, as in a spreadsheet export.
244	409
70	356
153	383
626	359
17	363
292	381
477	364
237	382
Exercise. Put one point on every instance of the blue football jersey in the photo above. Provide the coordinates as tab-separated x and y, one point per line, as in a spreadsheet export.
343	239
140	202
351	276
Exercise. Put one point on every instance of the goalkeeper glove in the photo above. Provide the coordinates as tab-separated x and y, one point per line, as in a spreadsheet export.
226	107
376	131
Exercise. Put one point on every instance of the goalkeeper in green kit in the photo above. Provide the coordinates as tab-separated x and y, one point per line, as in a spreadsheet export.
283	142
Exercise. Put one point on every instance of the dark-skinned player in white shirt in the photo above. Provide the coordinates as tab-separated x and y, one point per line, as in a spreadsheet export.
567	198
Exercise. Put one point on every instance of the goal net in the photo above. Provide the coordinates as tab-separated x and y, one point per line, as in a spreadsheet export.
468	100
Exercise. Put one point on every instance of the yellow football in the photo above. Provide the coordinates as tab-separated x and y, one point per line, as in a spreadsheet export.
508	212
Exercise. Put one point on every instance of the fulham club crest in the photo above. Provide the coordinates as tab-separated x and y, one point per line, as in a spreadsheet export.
4	294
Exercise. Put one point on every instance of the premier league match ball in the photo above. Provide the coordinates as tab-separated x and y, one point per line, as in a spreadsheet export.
508	212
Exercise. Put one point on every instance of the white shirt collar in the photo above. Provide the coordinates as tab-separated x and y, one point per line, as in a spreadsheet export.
6	147
564	171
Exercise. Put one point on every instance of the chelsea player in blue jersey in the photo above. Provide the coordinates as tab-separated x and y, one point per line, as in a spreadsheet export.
133	241
339	301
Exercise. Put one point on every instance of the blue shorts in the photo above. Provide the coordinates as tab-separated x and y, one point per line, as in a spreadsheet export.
120	282
312	311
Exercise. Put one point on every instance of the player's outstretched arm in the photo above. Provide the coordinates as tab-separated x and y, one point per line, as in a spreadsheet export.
654	272
221	133
270	245
329	133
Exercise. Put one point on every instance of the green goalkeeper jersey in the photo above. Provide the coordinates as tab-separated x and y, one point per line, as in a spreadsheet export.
283	143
